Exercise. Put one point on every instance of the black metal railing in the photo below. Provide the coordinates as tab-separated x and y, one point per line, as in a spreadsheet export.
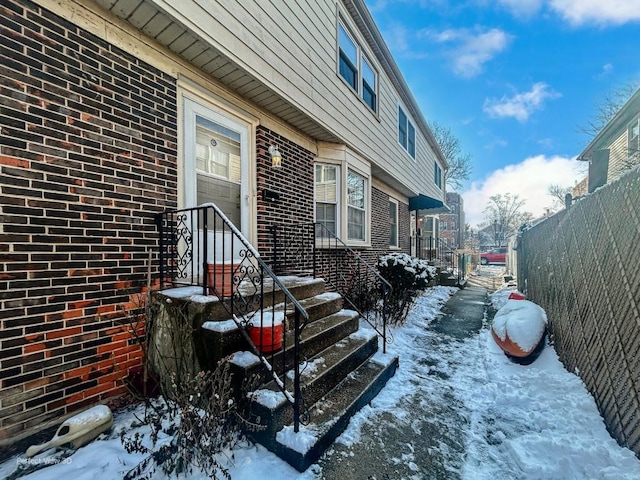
310	249
441	255
201	249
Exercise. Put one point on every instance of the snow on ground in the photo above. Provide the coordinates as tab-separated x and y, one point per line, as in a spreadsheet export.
513	421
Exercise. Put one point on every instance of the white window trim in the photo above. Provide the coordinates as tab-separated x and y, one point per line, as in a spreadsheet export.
362	169
191	91
339	187
632	149
360	52
415	134
366	209
397	245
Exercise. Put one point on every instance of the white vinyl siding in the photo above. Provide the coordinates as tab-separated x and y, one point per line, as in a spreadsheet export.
299	65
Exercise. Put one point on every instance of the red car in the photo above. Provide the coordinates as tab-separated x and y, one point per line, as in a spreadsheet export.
497	255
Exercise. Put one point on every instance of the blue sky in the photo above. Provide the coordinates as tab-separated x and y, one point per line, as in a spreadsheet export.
513	80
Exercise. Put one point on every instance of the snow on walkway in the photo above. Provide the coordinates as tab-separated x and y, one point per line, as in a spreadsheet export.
533	422
454	409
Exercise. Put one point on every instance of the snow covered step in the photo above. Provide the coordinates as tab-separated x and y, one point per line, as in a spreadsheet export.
331	414
221	338
316	336
317	306
321	374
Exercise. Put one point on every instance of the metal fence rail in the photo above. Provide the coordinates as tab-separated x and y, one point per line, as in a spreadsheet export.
582	266
201	247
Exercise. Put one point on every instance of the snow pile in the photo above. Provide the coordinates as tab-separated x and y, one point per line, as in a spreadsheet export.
522	321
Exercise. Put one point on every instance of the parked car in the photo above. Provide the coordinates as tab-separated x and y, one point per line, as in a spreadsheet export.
497	255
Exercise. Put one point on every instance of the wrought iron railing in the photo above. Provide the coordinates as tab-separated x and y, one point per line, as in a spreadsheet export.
441	255
313	250
201	248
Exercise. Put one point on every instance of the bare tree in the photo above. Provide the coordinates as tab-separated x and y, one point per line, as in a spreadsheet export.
558	193
606	108
459	161
505	213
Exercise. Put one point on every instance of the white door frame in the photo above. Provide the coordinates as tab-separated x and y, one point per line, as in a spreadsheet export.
191	108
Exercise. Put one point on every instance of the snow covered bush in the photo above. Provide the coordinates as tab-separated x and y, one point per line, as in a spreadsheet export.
408	276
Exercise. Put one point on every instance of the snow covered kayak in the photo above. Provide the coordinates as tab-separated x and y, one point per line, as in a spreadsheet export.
519	328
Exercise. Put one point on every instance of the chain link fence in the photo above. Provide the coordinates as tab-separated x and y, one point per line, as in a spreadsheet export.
582	266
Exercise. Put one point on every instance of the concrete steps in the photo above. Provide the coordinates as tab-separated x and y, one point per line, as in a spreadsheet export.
339	376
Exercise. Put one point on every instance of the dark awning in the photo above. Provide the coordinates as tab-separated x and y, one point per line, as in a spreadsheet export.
423	202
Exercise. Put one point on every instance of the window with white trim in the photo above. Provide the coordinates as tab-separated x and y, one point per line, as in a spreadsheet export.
393	223
633	138
327	194
356	69
437	175
406	133
369	84
356	206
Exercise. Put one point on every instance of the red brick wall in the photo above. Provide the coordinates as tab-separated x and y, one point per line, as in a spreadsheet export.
87	155
293	182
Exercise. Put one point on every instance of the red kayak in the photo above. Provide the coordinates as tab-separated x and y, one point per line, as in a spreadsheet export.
519	329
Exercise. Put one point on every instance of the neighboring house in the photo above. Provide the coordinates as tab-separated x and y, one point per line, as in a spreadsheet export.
452	226
113	111
616	148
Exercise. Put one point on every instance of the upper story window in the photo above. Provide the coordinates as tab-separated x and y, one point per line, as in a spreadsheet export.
406	133
633	138
437	175
348	58
368	84
356	69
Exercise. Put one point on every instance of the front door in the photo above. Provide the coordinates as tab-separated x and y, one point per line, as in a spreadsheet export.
216	150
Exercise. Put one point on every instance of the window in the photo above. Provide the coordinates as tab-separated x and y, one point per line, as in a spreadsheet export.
406	133
393	223
348	57
356	69
444	225
634	136
368	84
356	212
437	175
326	192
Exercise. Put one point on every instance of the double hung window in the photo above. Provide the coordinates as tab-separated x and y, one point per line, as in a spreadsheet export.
356	213
393	223
406	133
341	204
437	175
327	194
356	69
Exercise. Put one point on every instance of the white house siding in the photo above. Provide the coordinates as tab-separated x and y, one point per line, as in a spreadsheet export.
618	155
291	47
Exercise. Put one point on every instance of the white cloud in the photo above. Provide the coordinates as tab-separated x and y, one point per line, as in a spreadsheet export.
528	179
470	49
520	105
600	12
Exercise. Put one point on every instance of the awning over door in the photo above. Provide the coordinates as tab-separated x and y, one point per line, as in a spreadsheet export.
424	202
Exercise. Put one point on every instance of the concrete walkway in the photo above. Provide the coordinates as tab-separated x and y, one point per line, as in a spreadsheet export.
428	445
